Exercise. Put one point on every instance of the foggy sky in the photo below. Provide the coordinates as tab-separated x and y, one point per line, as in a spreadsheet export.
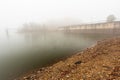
13	13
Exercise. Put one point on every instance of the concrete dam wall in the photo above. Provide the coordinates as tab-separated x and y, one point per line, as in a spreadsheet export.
105	27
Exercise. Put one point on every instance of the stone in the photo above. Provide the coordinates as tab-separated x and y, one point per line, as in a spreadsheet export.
78	62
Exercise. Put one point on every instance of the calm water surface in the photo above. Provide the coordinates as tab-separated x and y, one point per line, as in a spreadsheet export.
20	53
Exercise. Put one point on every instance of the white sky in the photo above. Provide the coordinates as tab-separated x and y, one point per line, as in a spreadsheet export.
13	13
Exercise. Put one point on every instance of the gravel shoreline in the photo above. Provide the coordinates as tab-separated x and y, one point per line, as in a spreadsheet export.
100	62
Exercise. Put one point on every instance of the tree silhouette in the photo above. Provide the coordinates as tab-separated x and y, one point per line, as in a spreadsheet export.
111	18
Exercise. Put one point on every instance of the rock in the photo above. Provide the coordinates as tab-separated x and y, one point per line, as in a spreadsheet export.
38	72
78	62
26	78
67	76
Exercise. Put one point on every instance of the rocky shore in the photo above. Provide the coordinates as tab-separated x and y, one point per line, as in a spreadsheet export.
100	62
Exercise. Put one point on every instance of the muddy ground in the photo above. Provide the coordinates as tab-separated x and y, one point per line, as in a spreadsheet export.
100	62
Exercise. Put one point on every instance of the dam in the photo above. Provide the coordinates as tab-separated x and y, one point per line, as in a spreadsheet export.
103	27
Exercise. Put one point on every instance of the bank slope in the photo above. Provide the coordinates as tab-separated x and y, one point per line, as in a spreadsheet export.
99	62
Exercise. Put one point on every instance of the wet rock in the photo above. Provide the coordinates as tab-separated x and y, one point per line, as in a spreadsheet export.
38	72
78	62
27	78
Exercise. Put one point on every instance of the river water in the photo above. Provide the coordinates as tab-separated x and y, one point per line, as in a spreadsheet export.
22	52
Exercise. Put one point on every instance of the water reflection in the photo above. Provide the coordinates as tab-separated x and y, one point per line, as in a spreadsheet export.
7	33
23	52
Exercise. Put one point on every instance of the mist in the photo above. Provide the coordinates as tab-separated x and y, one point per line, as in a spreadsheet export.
38	33
14	13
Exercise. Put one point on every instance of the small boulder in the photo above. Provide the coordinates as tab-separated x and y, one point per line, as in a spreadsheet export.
78	62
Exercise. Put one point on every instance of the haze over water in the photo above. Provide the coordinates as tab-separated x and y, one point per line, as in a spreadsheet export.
21	52
24	52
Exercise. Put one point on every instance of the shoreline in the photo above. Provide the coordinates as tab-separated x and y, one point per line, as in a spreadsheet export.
100	61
